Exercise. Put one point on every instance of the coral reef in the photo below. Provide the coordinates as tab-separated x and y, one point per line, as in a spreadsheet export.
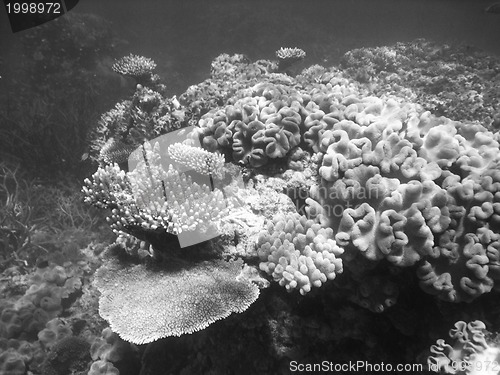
454	81
322	214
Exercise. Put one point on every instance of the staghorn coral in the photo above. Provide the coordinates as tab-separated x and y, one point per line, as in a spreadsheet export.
144	304
298	253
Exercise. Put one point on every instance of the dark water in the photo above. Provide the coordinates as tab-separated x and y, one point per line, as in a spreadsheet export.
184	36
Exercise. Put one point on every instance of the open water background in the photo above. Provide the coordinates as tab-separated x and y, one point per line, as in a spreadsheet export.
184	36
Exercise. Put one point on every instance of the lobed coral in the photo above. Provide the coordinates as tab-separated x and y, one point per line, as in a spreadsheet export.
473	351
41	302
392	187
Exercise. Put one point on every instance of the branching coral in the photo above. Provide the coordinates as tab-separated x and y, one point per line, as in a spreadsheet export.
148	114
144	304
149	199
298	253
197	159
288	56
135	66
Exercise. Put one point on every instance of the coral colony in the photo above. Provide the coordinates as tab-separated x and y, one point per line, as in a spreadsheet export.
256	181
373	183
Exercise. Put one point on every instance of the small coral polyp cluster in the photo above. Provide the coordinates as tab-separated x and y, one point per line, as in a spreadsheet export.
379	188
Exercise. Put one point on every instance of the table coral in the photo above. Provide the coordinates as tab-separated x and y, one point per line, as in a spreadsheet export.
289	56
144	304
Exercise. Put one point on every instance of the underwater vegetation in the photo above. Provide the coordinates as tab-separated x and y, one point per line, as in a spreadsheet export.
266	216
54	93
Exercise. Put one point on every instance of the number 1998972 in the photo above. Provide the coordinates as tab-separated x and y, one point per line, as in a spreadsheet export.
33	8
